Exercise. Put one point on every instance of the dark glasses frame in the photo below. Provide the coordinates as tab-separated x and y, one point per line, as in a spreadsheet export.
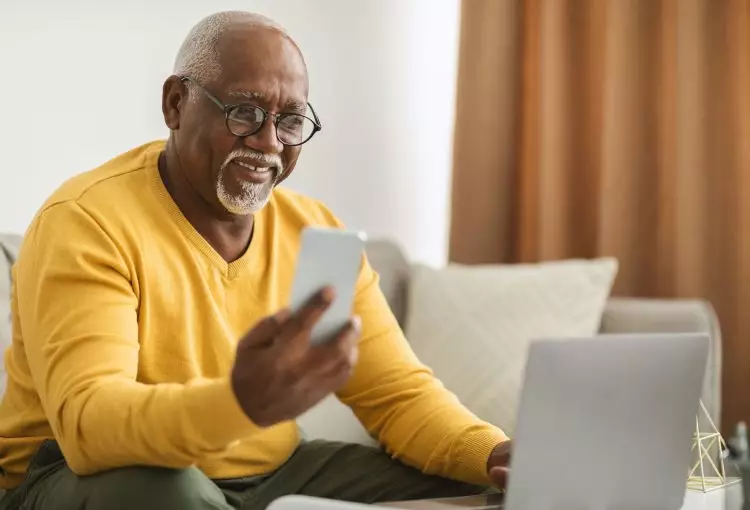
228	109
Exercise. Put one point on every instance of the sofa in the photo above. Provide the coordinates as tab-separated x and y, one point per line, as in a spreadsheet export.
331	420
620	315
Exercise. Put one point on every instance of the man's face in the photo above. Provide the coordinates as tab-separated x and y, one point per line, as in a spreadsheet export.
260	67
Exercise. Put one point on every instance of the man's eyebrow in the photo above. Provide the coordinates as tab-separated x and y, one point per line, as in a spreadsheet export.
296	106
291	105
247	94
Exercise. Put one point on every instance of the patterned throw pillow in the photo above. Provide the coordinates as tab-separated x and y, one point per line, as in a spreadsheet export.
473	324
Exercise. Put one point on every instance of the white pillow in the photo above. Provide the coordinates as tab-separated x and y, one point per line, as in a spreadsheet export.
333	421
473	324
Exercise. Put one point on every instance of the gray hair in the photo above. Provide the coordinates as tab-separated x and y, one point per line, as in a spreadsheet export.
198	56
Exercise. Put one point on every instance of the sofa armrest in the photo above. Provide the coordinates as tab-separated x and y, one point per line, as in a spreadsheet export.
624	315
9	245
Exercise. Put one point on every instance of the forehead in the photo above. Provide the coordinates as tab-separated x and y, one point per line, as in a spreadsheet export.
261	63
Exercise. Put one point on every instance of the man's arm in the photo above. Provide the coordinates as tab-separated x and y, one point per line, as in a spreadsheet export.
400	402
79	319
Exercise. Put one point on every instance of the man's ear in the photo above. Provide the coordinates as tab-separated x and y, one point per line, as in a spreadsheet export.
173	97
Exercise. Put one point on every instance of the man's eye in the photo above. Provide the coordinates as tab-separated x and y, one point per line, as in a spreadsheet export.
246	115
292	123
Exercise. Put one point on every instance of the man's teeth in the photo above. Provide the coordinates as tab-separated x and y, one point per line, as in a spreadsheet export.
254	168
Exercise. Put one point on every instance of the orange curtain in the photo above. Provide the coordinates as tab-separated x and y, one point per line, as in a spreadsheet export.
612	127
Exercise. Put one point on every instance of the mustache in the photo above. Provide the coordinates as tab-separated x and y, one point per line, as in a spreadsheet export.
269	160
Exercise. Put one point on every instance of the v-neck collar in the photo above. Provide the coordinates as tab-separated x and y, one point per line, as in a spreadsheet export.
254	255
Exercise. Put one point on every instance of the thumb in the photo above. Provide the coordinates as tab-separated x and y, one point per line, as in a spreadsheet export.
499	476
265	331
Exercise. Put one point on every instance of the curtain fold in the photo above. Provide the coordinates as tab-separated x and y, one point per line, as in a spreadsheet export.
587	128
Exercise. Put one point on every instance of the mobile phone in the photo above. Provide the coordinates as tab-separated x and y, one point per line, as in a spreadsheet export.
328	257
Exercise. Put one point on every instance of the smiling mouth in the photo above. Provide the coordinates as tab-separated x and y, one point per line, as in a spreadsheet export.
258	174
256	169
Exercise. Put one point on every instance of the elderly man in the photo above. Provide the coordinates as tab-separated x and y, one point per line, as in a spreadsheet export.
153	364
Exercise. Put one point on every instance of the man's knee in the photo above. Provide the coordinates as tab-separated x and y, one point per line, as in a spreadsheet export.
146	488
141	488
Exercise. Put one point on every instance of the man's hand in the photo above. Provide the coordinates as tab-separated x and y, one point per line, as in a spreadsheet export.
278	375
497	464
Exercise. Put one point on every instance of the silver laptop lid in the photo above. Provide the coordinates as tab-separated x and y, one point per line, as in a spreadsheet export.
606	423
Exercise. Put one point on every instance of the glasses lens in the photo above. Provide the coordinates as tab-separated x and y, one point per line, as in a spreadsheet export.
294	129
244	120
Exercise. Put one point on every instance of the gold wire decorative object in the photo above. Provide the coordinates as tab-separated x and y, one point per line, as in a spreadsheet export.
708	472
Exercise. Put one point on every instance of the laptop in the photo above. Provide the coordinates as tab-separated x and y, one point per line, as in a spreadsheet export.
604	423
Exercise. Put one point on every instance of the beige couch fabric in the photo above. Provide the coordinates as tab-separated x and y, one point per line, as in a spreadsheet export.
8	251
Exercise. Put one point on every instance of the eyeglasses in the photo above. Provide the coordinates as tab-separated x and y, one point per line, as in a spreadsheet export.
242	120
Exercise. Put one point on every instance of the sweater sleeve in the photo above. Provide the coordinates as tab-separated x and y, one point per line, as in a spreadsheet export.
79	315
401	403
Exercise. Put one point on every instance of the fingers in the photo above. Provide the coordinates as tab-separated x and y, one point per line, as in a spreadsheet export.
264	333
307	374
498	463
351	335
338	355
286	326
303	321
499	477
325	366
500	455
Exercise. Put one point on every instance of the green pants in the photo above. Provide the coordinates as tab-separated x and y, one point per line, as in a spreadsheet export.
318	468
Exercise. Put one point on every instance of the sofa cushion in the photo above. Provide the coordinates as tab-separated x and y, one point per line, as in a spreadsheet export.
473	324
9	245
387	259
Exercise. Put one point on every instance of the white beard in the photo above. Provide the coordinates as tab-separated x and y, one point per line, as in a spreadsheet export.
251	198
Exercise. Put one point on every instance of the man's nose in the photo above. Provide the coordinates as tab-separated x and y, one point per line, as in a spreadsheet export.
265	140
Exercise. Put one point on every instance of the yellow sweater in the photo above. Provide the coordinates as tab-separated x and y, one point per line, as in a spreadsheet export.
125	322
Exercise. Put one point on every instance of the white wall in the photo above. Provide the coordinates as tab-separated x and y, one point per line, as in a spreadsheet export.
81	82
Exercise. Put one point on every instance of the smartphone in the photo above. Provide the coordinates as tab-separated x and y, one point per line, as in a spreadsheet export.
328	257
